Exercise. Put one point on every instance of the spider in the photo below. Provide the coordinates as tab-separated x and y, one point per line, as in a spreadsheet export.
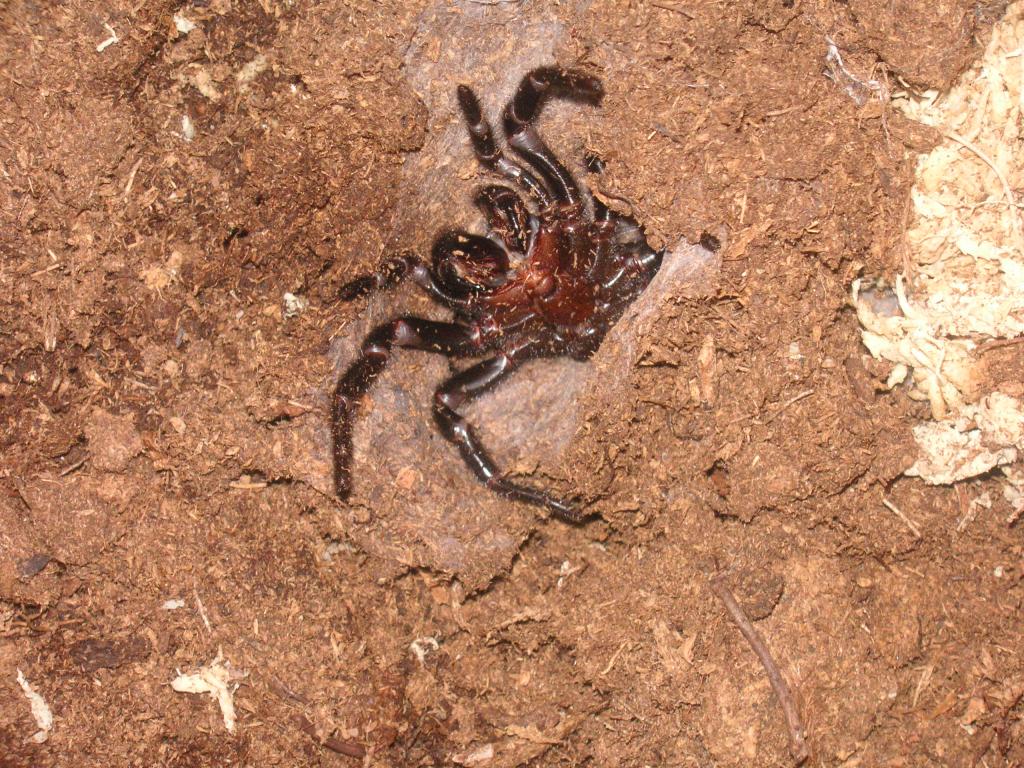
546	281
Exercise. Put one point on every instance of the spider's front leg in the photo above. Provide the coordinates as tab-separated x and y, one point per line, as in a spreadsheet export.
467	385
451	339
489	153
525	107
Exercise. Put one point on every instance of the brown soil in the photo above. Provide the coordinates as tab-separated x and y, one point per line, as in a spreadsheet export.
163	424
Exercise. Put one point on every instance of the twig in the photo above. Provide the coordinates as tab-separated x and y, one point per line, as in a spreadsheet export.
797	741
997	343
202	610
922	683
615	657
785	405
349	748
966	508
131	177
285	693
44	270
671	135
673	8
68	470
785	111
906	520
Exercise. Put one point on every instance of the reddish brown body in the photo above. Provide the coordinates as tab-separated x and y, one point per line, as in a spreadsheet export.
544	284
555	284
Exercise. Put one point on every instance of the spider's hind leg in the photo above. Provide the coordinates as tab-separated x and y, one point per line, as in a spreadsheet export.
451	339
524	108
467	385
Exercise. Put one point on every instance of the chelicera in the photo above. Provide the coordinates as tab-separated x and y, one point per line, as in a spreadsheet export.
547	280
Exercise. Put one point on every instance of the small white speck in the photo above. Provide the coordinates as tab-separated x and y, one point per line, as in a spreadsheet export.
566	570
998	572
294	305
109	41
188	130
421	646
182	24
172	605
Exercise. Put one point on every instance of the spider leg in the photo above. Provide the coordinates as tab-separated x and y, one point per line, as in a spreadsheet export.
391	273
465	264
465	386
488	152
446	338
506	214
523	110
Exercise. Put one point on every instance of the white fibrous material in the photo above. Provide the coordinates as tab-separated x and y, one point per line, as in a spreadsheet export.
1014	492
965	252
216	679
40	710
941	369
983	436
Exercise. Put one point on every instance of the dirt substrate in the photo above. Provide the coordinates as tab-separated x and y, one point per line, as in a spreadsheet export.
169	172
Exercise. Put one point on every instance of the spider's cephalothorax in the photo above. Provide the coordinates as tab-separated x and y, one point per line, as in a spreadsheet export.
547	280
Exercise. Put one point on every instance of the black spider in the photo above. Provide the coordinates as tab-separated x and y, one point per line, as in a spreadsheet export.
542	283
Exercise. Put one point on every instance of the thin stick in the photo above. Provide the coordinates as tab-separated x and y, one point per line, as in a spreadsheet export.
131	177
797	742
997	343
785	405
615	657
333	743
673	8
906	520
202	610
72	468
